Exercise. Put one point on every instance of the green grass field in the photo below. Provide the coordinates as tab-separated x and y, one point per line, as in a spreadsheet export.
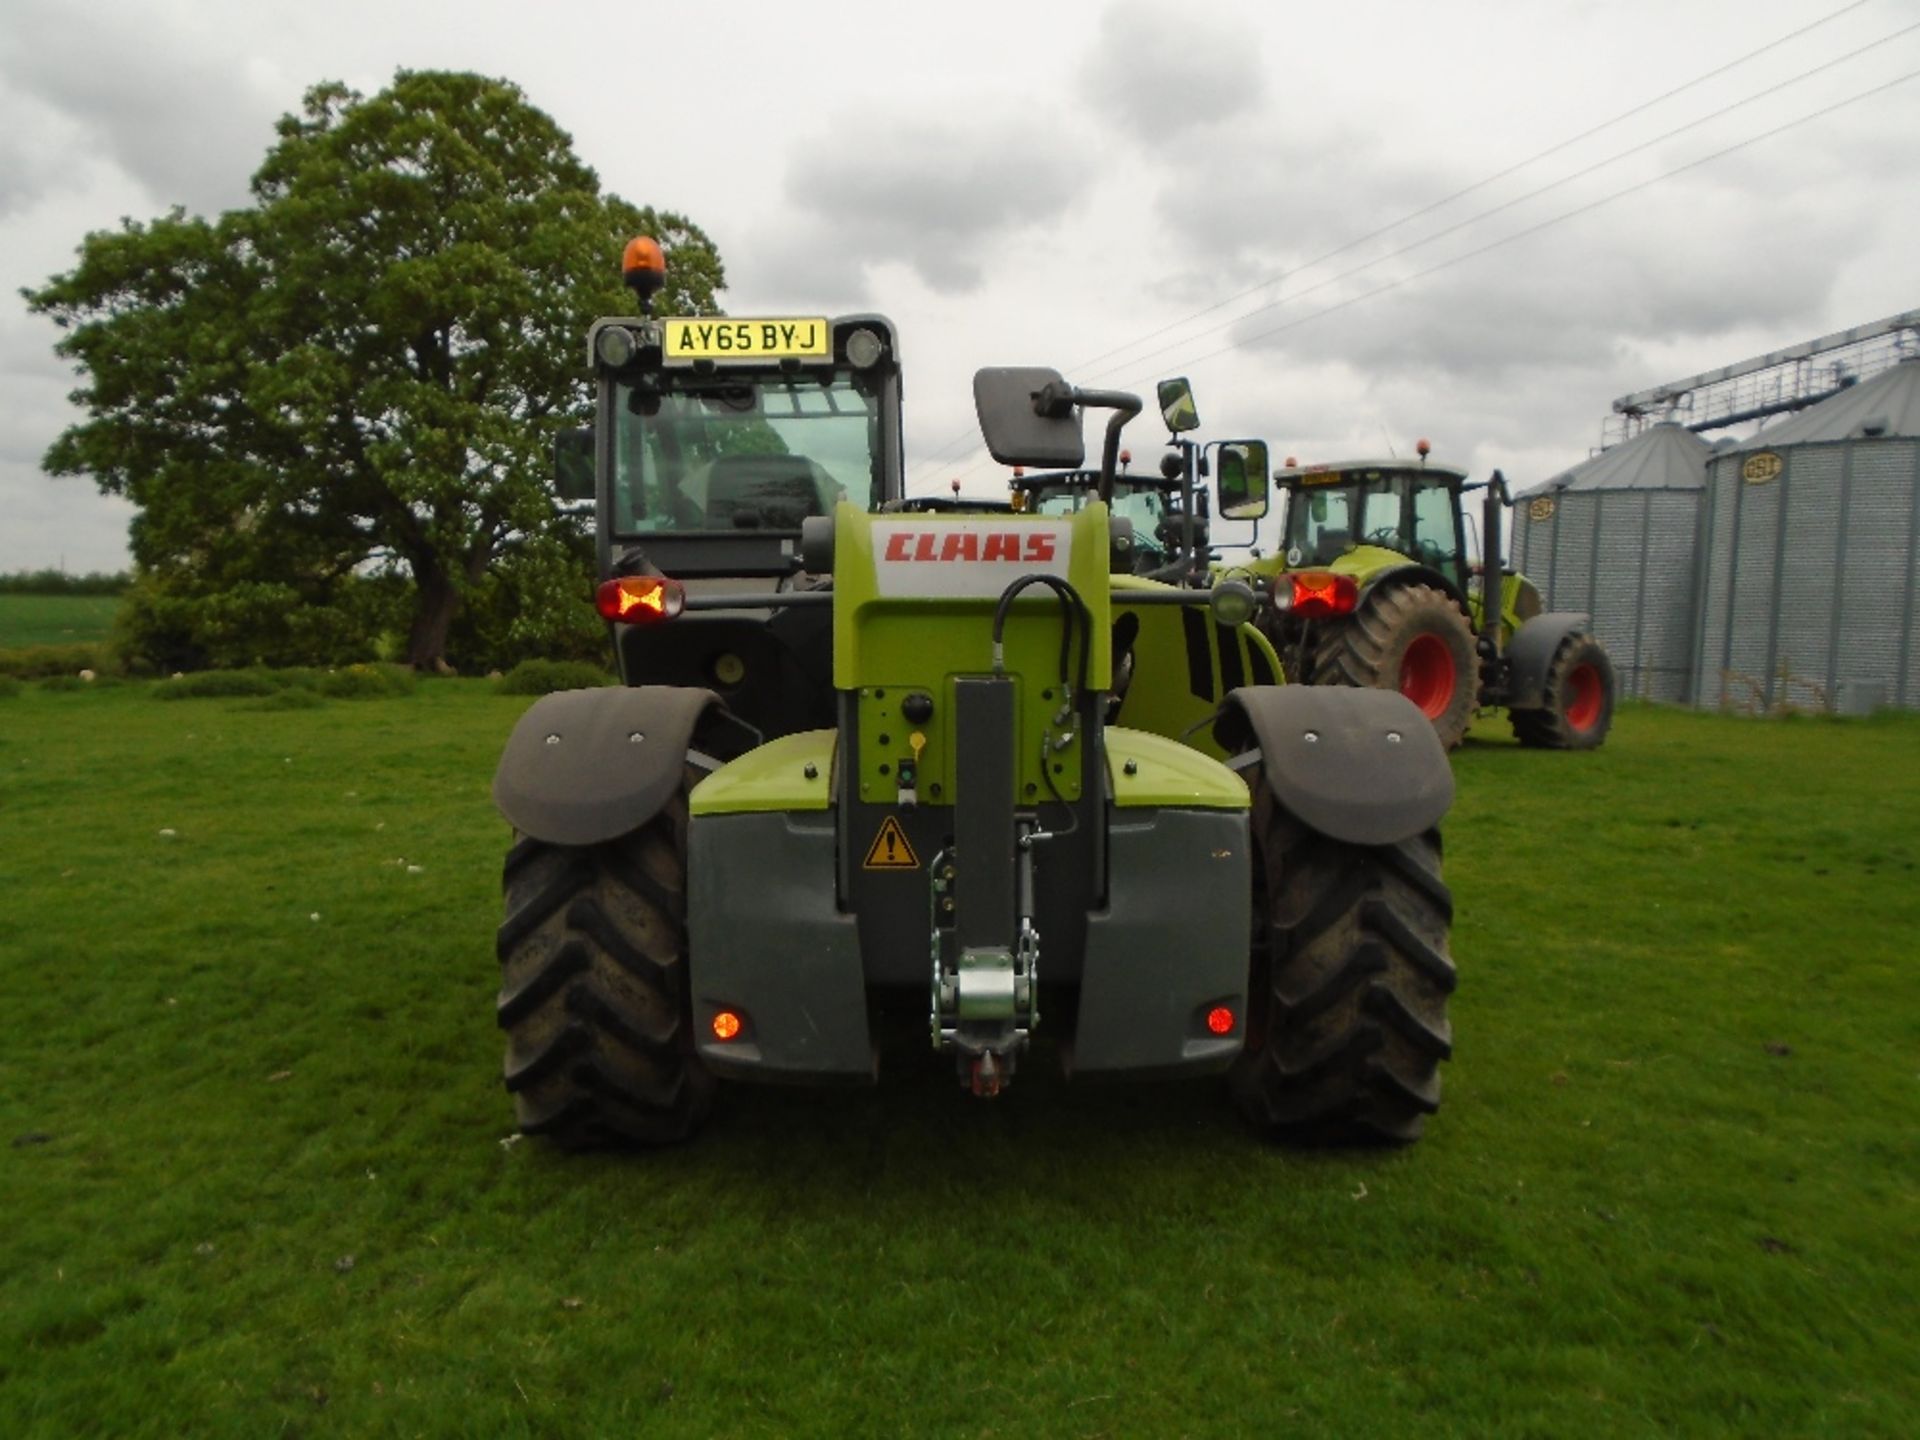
259	1177
54	619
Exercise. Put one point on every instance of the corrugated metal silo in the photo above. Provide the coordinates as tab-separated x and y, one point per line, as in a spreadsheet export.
1808	537
1615	536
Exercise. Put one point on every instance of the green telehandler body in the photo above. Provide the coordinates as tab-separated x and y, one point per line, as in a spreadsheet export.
878	773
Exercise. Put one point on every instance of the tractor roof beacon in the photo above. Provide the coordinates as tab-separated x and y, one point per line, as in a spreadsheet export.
1372	586
777	848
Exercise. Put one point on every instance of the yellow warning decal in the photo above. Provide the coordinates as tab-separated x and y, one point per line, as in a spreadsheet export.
890	850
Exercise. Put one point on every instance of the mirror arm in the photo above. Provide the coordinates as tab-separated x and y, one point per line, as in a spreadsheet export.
1124	407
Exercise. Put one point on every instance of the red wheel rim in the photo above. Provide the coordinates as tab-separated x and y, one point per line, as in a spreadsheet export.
1428	676
1585	697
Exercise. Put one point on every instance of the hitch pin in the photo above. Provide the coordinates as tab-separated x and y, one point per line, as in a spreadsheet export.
910	771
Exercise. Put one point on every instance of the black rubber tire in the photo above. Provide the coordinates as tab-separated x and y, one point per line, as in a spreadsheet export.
1552	727
1367	648
1347	1010
593	992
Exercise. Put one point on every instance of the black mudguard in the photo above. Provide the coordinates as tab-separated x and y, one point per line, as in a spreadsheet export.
584	766
1364	766
1531	654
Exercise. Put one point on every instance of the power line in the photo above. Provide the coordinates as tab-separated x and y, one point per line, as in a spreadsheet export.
938	456
1586	208
1535	229
1505	205
1481	184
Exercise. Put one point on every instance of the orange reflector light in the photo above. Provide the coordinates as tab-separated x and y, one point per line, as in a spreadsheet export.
726	1025
1220	1020
643	253
1317	594
640	599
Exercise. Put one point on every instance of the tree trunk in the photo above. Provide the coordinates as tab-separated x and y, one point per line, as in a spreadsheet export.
433	613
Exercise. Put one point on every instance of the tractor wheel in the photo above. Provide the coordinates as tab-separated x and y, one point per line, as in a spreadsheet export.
1579	695
593	992
1409	638
1347	1012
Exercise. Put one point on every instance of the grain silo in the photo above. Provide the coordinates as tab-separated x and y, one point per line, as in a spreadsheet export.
1615	536
1806	592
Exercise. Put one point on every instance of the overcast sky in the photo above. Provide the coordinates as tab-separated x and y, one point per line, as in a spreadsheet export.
1049	183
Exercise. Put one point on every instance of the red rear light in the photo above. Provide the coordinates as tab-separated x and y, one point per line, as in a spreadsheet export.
726	1025
640	599
1220	1020
1317	594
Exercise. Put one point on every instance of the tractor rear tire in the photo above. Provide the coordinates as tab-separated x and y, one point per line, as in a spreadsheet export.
1579	700
593	992
1347	1011
1410	638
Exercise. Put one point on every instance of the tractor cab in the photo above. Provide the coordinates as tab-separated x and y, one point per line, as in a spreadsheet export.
715	439
1358	516
1168	516
1151	504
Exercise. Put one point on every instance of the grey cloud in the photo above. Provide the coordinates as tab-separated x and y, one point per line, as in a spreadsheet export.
1289	195
924	194
1161	72
183	119
1596	286
37	146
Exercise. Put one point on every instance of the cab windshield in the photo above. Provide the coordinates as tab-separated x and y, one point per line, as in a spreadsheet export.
1145	506
725	453
1395	512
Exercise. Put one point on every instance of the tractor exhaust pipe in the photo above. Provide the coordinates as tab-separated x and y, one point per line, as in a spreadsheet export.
1492	568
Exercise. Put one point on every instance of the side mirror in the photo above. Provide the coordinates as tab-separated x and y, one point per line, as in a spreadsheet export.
1027	417
1177	407
1242	477
573	463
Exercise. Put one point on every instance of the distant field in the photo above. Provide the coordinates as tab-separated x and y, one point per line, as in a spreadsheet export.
259	1177
54	619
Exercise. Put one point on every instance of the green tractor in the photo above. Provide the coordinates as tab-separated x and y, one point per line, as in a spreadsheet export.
1164	530
865	781
1372	587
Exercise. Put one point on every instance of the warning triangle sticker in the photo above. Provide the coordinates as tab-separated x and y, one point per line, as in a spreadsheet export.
890	850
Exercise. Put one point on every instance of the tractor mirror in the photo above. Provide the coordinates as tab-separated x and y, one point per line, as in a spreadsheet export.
1027	417
1177	407
573	464
1240	471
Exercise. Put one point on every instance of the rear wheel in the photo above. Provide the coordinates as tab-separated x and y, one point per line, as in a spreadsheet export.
1579	699
593	992
1413	639
1347	1012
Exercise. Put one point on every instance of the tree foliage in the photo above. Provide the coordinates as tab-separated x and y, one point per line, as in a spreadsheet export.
360	373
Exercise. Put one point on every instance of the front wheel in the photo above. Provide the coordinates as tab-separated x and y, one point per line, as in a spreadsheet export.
1579	700
593	992
1347	1012
1410	638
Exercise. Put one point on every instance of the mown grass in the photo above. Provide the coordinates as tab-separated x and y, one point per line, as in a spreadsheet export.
55	619
259	1175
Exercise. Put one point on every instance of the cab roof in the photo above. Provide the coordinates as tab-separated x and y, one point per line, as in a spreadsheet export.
1309	474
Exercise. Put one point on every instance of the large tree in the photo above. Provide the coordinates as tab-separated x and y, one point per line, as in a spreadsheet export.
364	367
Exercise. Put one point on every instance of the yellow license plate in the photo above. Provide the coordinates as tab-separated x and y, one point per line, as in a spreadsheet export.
1317	476
723	339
